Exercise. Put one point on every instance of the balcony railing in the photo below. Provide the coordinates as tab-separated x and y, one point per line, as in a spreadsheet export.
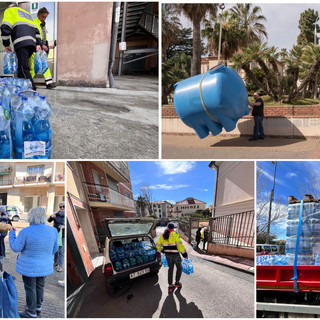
100	193
5	169
120	167
5	182
35	179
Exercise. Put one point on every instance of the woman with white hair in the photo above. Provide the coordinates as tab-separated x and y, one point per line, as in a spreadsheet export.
36	245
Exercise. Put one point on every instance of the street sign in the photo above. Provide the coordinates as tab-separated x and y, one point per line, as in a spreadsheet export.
34	7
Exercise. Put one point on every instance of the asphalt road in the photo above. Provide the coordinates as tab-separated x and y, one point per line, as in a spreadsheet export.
213	291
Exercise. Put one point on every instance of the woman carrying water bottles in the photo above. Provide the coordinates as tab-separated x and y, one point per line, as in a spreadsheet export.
171	245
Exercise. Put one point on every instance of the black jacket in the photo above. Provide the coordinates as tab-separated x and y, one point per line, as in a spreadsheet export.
4	218
58	221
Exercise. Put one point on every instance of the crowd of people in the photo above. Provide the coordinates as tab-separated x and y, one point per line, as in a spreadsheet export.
40	249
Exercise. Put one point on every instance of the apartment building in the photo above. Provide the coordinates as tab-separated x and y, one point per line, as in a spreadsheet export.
30	184
162	209
187	207
96	190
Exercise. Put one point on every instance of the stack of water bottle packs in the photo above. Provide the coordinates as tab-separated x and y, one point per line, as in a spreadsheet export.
309	237
24	121
132	254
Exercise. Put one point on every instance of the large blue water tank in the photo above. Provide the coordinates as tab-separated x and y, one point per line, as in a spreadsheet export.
211	101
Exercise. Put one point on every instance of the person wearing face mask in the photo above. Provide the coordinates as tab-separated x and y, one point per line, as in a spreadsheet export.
59	222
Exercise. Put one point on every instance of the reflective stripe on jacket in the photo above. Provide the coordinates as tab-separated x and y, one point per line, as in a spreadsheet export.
18	25
172	245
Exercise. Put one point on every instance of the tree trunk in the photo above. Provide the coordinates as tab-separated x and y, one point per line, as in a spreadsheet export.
256	81
196	50
309	76
269	79
278	76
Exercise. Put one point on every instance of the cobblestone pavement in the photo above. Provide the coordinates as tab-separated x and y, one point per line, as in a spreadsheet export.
222	147
54	295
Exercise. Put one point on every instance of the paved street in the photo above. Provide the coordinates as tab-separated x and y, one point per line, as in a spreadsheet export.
222	147
103	123
213	291
54	295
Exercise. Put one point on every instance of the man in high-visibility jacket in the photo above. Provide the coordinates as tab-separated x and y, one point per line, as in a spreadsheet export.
40	22
204	236
18	25
171	245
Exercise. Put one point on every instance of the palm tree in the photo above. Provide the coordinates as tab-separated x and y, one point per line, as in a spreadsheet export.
170	28
231	39
196	13
142	203
251	20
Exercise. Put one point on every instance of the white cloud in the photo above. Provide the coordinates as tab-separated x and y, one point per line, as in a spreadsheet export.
176	167
136	195
270	177
206	190
166	187
291	175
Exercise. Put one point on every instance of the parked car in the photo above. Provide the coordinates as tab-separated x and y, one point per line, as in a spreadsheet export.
130	252
14	213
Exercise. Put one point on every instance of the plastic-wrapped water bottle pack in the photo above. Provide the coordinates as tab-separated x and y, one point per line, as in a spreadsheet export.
132	254
24	121
187	266
10	63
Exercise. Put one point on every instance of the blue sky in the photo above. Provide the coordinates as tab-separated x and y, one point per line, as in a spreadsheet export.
282	21
292	179
174	180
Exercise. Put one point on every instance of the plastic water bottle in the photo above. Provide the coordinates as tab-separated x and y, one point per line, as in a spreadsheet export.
139	260
7	63
14	62
44	62
113	255
120	253
6	98
5	135
38	63
126	264
164	260
133	262
317	260
118	266
43	109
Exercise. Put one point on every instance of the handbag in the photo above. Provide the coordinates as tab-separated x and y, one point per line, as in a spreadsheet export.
9	297
60	238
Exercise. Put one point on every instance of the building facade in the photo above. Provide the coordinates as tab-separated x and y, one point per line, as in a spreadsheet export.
162	209
187	207
234	187
96	190
30	184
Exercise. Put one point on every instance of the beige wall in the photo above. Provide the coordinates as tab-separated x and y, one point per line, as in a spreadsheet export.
185	209
84	34
235	187
74	181
221	249
283	127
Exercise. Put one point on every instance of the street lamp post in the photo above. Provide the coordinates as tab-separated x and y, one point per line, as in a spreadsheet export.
271	199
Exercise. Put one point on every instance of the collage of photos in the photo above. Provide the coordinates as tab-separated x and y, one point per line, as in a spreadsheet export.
159	159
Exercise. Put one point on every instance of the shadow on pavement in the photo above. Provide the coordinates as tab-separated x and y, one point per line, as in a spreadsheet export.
186	310
139	299
292	137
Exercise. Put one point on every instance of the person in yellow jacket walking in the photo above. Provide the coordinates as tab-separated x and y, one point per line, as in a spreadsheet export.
171	245
204	236
18	25
40	22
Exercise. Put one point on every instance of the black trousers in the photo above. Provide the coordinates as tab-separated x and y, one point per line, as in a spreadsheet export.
174	259
23	55
2	247
34	287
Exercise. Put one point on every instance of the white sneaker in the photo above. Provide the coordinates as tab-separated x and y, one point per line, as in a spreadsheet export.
59	269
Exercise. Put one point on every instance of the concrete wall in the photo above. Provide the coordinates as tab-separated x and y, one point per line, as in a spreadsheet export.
221	249
84	34
293	121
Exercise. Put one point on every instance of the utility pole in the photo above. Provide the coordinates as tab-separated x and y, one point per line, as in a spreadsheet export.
271	199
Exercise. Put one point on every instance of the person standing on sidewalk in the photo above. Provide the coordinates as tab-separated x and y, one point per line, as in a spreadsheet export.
4	218
36	245
18	25
204	236
59	221
198	237
257	113
40	22
171	245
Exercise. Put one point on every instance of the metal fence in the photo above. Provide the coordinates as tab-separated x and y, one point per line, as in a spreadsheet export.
233	229
189	228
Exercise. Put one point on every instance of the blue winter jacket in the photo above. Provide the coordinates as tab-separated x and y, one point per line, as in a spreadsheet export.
37	244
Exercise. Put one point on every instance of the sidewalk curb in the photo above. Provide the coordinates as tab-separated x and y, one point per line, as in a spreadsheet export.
250	270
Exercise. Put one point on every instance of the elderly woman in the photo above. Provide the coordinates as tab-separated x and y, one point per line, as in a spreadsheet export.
37	244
